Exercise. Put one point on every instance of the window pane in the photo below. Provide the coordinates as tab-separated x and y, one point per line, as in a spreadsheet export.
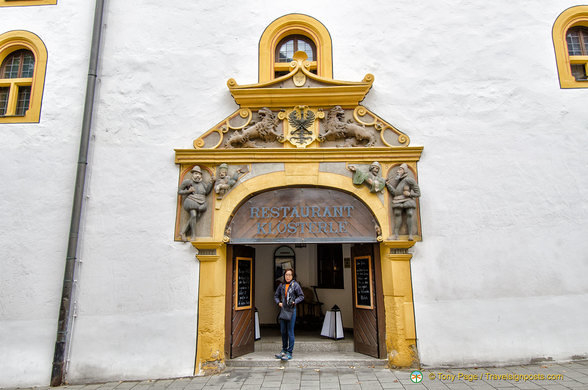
11	65
28	65
286	51
20	63
577	39
293	43
305	47
4	91
579	72
22	103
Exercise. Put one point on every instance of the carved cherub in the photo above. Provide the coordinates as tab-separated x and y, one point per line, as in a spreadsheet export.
372	178
224	182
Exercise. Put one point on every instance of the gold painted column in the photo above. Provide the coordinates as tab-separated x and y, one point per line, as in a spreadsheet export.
210	341
397	289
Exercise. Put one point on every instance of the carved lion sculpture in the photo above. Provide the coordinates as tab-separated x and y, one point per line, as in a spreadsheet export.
264	130
354	135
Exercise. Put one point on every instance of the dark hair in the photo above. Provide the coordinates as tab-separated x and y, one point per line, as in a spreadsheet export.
292	271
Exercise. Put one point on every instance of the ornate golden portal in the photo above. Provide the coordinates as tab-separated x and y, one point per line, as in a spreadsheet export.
296	131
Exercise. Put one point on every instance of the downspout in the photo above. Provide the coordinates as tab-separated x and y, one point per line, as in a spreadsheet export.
64	325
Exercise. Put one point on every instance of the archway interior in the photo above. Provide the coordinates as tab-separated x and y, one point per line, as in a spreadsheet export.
329	277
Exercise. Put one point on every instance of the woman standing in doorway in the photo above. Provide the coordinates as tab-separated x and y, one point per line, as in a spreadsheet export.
287	296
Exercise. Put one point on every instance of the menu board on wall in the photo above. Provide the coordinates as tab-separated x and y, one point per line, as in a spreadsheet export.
363	282
243	280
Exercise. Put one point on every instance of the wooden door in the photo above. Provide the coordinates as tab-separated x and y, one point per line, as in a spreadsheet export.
242	302
368	329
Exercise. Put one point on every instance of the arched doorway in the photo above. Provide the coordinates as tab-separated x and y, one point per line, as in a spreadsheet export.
322	223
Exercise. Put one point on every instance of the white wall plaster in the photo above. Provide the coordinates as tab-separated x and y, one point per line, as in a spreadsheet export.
499	276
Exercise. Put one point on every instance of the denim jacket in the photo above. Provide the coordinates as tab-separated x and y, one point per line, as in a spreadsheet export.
295	295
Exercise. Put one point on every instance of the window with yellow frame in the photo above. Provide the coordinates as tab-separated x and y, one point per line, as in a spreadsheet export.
289	34
17	3
570	41
23	59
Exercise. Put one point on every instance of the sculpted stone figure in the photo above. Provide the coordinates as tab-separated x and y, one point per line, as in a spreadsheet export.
194	191
224	182
264	130
404	190
354	134
372	178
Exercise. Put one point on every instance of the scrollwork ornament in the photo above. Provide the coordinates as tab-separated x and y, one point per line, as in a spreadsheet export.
360	112
369	78
403	139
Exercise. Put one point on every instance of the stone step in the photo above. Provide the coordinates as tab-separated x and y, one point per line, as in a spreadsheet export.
308	360
316	345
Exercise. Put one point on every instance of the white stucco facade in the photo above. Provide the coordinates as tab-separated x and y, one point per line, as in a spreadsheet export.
499	277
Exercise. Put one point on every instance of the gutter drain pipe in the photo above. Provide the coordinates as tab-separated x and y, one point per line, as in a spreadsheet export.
64	324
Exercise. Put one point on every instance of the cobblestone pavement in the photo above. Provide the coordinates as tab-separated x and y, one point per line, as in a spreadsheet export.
549	376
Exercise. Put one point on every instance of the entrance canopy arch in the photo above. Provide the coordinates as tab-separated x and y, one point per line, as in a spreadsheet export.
303	215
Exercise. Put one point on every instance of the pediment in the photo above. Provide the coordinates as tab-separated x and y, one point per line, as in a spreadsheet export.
300	87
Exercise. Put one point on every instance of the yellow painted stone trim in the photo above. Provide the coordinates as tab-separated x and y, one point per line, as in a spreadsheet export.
398	302
346	94
18	3
16	40
290	25
211	311
282	155
571	17
397	285
361	114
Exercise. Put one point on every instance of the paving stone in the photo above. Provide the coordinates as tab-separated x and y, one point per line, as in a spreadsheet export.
457	386
290	386
331	385
254	380
388	385
195	386
555	387
251	387
350	387
415	386
370	385
268	383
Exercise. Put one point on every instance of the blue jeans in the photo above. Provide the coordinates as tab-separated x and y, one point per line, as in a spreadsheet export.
287	330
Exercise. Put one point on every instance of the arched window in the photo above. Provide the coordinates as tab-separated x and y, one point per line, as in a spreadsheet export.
285	53
289	34
570	41
577	40
23	58
15	98
293	43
